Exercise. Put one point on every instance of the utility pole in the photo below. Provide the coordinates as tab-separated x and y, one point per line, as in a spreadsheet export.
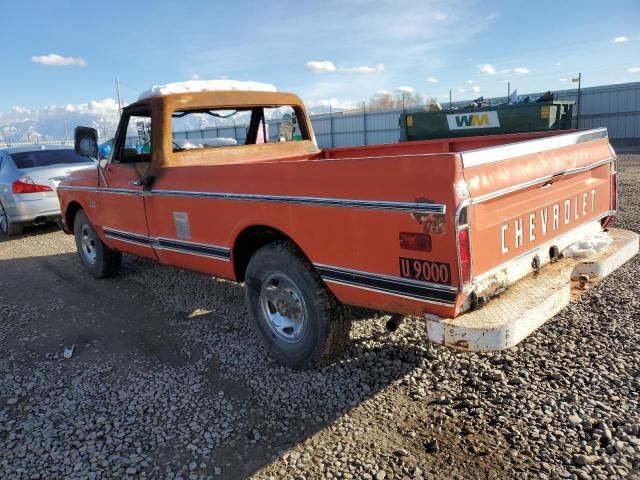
364	123
118	95
579	80
65	131
331	123
450	102
508	91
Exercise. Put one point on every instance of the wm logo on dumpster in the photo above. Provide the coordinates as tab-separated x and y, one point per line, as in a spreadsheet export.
462	121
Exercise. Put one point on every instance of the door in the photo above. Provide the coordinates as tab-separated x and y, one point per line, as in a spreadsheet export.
121	208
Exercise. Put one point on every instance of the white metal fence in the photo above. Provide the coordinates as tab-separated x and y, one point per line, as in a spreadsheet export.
616	107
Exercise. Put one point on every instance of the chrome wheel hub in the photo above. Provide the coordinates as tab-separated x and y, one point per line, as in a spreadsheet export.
88	243
283	307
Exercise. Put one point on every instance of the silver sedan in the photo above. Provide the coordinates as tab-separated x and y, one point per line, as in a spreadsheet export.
29	176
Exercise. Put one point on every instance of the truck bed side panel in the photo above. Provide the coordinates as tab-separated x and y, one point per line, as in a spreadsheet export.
345	215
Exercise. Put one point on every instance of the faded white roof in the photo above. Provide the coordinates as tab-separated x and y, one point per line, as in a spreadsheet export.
205	86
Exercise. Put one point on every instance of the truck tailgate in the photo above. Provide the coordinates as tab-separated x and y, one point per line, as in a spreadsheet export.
525	197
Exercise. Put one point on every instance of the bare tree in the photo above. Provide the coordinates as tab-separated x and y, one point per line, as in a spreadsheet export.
388	100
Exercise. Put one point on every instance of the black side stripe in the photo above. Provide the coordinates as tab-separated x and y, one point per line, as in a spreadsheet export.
382	283
198	249
127	237
167	244
398	286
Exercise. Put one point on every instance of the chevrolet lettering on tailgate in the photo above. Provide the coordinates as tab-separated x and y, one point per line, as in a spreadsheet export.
547	220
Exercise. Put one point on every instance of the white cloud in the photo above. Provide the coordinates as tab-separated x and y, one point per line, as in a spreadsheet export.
462	90
322	66
328	66
564	79
333	103
621	39
475	88
55	60
634	69
195	76
487	69
440	16
432	80
469	82
99	108
383	92
363	69
520	70
21	110
405	89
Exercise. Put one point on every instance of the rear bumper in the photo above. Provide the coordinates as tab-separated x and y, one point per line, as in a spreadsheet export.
507	320
28	207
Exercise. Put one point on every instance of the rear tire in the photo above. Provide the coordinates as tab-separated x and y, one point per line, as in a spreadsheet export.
295	316
8	228
98	260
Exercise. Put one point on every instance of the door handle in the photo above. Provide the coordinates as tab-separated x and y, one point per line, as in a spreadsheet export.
136	183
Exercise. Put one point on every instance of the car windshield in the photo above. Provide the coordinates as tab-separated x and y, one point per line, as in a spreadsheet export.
46	158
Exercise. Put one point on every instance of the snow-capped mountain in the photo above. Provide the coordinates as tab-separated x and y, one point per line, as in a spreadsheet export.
58	122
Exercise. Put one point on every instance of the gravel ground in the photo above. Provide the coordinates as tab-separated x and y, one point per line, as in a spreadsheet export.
167	381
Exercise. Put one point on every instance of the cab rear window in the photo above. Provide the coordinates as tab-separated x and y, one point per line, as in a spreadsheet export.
46	158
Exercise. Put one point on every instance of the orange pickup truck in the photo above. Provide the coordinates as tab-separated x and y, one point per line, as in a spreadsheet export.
429	228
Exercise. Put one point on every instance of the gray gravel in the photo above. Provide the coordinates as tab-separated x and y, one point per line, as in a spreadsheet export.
168	381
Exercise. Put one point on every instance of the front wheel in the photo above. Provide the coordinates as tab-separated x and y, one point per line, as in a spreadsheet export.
295	316
98	260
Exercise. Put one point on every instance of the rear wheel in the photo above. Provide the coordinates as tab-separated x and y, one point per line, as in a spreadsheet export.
7	228
97	259
295	316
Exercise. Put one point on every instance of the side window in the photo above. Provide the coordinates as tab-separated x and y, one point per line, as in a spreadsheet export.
214	128
283	124
133	142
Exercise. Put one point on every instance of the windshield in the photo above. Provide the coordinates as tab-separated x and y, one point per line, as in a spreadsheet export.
46	158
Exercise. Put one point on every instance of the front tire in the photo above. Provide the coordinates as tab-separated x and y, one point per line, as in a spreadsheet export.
295	316
8	228
98	260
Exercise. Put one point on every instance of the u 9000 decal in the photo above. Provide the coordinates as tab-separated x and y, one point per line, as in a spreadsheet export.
425	271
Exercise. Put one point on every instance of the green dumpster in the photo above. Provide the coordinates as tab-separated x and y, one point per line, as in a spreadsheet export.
466	122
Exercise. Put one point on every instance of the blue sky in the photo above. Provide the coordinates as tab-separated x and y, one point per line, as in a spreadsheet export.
339	51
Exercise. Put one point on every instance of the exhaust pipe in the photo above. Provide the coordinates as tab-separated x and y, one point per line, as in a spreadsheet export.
39	221
394	322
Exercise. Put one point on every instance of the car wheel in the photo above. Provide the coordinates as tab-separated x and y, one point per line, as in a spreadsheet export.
7	228
98	259
295	316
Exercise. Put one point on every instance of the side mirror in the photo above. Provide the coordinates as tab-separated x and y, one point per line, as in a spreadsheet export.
86	142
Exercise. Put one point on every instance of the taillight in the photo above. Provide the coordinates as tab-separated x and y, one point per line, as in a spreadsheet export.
464	252
415	241
464	245
26	185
